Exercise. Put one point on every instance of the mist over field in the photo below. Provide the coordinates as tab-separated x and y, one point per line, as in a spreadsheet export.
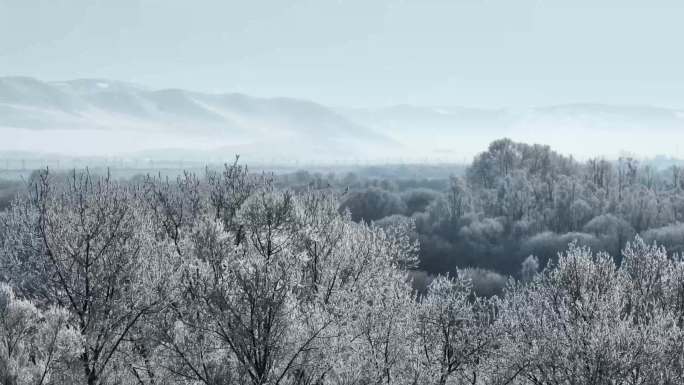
341	192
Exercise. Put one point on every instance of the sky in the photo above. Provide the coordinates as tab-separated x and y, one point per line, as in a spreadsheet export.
361	53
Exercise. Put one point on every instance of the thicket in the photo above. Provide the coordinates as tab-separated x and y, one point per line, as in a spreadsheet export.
226	279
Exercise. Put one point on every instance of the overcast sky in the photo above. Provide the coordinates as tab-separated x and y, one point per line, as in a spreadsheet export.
487	53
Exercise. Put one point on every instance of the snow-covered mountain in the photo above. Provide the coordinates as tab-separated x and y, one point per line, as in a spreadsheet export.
100	116
103	117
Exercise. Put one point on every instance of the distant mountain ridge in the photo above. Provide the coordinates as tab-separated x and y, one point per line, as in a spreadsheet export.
216	119
96	116
582	129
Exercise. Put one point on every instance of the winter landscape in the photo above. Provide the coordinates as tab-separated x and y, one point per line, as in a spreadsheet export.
341	192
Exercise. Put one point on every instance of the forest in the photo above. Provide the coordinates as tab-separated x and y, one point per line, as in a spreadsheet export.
526	267
515	201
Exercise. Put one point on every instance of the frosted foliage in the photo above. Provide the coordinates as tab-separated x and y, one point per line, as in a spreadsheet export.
36	347
226	279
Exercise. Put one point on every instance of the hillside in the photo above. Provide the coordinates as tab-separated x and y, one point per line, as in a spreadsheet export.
95	116
102	116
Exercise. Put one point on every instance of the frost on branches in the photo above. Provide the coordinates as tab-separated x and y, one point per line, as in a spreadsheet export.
226	279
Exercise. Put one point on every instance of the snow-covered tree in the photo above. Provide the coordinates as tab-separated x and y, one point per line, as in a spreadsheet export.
36	347
583	321
455	333
85	245
275	288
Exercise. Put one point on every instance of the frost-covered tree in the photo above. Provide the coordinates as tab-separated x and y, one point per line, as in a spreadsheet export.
529	268
275	288
36	347
85	244
585	321
455	333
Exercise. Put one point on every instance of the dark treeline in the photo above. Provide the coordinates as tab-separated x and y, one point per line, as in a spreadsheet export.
517	200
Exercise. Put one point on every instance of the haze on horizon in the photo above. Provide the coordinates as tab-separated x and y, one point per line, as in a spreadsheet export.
355	57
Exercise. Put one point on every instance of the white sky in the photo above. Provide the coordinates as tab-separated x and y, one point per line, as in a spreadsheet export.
487	53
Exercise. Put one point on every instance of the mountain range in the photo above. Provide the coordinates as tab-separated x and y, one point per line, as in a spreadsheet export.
100	116
103	116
